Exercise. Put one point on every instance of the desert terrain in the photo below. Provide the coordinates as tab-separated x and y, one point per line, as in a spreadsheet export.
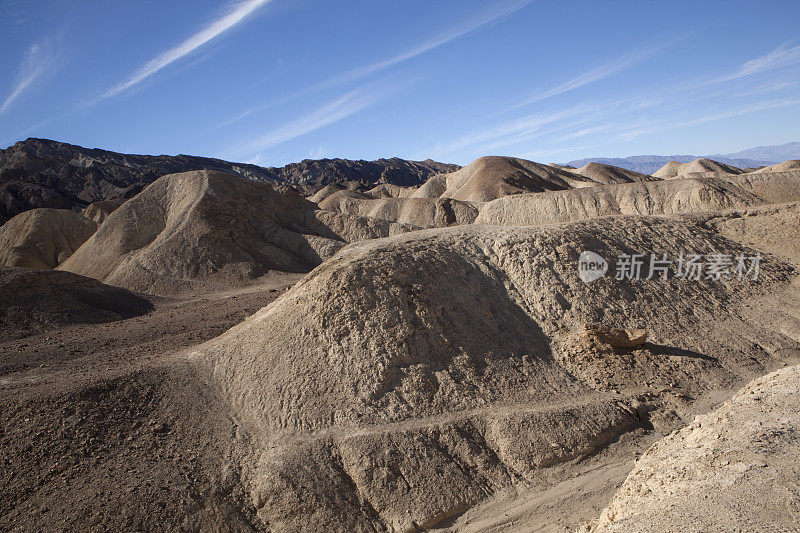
191	344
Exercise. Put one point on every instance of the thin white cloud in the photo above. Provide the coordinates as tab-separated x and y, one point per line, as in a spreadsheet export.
593	75
591	118
39	60
781	57
585	131
334	111
512	132
769	87
581	120
234	15
485	18
778	58
743	110
509	132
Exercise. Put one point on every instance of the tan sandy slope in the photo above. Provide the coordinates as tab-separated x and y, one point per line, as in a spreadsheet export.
734	469
42	238
668	197
388	190
791	164
673	169
421	379
488	178
99	211
417	212
324	192
407	379
213	228
453	199
602	173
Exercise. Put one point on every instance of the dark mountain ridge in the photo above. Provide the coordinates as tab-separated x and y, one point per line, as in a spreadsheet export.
46	173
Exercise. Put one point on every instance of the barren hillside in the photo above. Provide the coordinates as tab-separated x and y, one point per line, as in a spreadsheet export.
45	173
735	468
43	238
330	366
425	353
610	174
673	169
215	229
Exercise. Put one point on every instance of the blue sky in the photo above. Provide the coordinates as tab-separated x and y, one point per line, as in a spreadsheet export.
275	81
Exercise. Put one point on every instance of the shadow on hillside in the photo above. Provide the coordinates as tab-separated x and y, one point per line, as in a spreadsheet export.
662	349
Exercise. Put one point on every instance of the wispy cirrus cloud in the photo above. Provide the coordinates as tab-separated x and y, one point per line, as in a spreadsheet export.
547	154
783	56
235	14
591	118
485	18
333	111
593	75
633	132
510	132
39	59
770	86
779	58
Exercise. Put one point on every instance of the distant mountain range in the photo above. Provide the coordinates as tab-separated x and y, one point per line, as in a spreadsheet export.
45	173
751	158
775	154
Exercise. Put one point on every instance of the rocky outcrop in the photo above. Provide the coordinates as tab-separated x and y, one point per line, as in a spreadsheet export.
99	211
734	469
616	338
17	196
310	175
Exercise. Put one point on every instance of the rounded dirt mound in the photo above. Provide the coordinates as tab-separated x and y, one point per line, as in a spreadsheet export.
602	173
43	238
34	300
416	212
387	190
791	164
406	379
324	192
492	177
673	169
215	230
99	211
667	197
